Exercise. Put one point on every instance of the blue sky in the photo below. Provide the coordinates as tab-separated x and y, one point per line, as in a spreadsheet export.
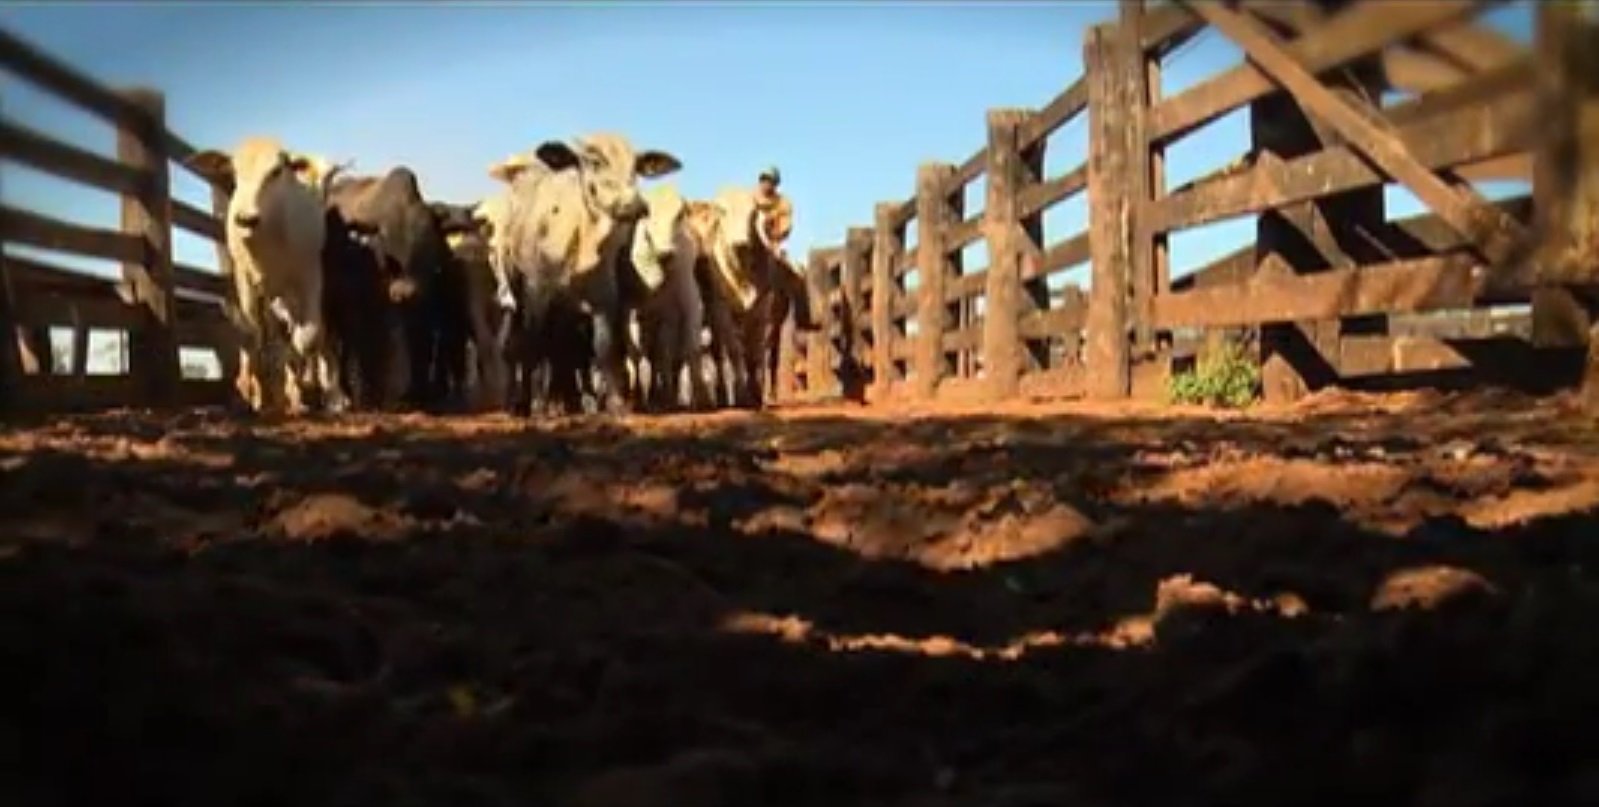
847	98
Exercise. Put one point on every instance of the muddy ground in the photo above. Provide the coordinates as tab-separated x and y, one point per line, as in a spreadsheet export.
1387	600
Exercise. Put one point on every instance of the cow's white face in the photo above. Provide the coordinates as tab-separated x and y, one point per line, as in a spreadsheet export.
666	209
608	169
738	213
264	176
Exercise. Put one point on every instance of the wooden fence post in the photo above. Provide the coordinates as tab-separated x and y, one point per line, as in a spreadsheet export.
1003	361
885	252
819	371
854	364
148	215
1133	69
1559	317
1109	96
1566	185
932	267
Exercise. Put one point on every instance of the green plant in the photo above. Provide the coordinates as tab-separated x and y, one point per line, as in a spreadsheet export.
1225	377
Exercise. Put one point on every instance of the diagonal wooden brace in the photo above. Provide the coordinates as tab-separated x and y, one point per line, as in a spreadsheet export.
1496	237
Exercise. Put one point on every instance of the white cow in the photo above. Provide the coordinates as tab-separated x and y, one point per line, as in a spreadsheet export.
671	314
275	232
740	288
563	207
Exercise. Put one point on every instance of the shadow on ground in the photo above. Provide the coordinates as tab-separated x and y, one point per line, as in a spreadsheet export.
1383	599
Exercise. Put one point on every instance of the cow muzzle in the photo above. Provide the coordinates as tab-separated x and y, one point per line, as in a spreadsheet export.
634	209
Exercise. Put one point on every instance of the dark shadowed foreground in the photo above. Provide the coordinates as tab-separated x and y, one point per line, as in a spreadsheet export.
1362	600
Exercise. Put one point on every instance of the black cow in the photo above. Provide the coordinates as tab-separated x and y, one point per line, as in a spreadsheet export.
422	287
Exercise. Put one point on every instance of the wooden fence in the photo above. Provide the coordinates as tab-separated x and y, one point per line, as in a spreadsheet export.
158	304
1333	290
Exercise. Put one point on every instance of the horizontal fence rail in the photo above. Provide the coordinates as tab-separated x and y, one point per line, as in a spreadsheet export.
157	305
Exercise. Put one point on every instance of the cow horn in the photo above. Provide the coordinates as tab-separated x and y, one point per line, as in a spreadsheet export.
338	168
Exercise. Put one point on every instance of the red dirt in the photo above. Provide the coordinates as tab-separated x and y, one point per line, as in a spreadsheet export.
1360	599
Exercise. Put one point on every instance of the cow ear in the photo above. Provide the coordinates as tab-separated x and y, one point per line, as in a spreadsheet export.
211	164
655	164
557	155
507	170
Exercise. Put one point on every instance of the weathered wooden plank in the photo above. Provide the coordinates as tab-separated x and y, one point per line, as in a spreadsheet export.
1415	71
1060	255
1435	235
1511	167
1142	274
52	309
964	339
904	212
147	216
962	233
1494	129
41	152
1110	95
968	284
1514	78
1055	114
1470	44
1169	26
819	350
194	278
62	80
932	268
1057	320
855	271
969	170
1041	195
1565	188
1493	234
1369	355
1070	381
885	244
1233	268
1360	30
44	232
197	221
1448	281
30	275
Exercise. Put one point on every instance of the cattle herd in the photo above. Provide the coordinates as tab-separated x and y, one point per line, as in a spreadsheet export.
570	289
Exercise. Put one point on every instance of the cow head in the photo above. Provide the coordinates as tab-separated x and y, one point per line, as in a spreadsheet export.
609	169
456	222
262	174
655	238
738	219
666	209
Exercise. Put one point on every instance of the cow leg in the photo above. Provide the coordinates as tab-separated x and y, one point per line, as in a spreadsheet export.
490	387
419	354
533	351
608	355
726	353
690	322
315	348
251	344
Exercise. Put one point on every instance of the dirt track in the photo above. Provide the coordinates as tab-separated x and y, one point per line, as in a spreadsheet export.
1381	600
